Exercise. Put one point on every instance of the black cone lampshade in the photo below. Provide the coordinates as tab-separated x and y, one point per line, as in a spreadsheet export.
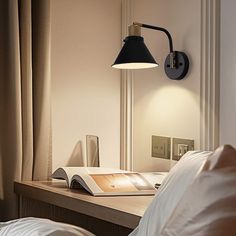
134	55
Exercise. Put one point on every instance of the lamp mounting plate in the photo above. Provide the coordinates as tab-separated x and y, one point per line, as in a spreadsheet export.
181	66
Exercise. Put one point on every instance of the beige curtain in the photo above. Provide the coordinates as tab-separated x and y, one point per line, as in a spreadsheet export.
25	123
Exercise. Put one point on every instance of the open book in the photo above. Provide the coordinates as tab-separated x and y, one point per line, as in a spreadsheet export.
105	181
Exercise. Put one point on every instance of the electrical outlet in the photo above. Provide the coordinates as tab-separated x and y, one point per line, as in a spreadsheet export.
161	147
180	147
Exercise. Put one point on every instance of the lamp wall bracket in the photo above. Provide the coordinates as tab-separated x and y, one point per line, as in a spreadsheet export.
176	63
179	68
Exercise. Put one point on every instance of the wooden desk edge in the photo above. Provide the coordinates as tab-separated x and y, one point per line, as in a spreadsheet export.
28	190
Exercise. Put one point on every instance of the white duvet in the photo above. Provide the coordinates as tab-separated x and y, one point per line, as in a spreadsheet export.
40	227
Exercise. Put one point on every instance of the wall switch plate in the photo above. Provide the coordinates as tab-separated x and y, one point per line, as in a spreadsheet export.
161	147
180	147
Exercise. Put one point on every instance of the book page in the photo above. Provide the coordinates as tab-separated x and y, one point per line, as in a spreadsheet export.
121	182
154	177
84	177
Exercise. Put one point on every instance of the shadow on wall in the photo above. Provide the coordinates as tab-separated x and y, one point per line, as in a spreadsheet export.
76	157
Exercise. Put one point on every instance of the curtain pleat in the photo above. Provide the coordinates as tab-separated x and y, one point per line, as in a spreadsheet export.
11	129
26	88
25	115
41	88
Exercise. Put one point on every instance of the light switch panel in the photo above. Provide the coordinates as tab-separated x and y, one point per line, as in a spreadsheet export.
180	147
161	147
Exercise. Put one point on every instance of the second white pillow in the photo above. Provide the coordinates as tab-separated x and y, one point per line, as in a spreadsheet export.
170	192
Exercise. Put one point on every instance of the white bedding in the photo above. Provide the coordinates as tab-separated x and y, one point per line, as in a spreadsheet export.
40	227
170	192
208	207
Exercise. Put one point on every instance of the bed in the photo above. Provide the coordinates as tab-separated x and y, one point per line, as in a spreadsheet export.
31	226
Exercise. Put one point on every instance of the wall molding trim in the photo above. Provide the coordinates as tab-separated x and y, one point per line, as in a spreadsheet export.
209	83
126	140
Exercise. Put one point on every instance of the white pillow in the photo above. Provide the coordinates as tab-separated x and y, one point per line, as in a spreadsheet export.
31	226
170	192
208	207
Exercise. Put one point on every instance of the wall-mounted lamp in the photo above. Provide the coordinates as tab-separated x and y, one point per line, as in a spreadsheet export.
135	54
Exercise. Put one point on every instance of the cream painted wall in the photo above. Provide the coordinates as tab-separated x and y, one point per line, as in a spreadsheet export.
228	72
85	89
162	106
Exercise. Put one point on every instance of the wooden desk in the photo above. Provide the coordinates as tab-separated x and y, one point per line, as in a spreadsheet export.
101	215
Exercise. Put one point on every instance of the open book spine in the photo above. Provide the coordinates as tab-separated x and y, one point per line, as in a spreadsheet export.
60	173
78	182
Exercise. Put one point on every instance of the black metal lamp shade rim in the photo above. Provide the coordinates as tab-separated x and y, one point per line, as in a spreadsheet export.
134	55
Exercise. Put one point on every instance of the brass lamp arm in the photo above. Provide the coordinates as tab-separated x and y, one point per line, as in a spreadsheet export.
159	29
